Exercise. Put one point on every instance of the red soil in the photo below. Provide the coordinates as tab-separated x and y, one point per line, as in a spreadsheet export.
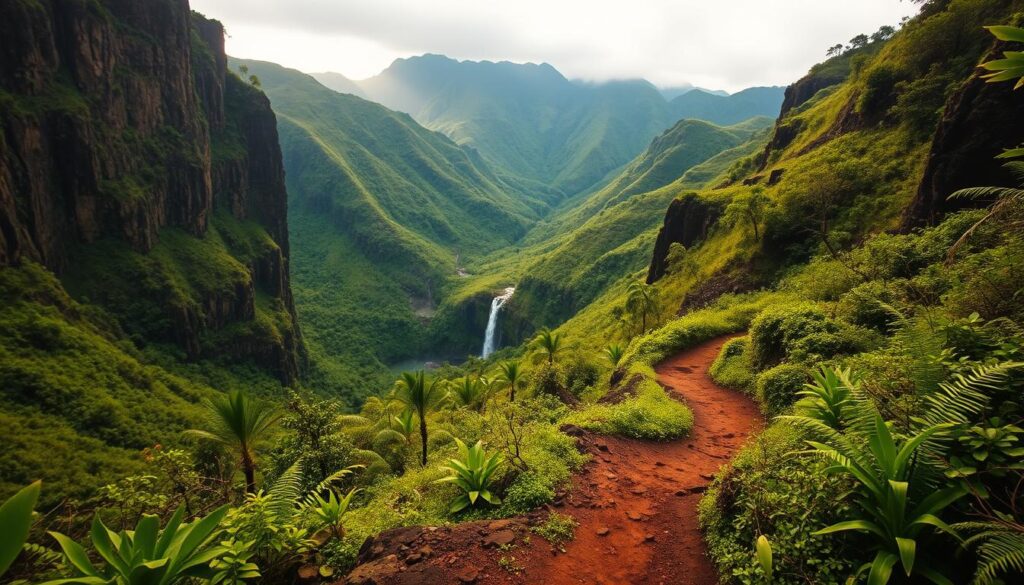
636	503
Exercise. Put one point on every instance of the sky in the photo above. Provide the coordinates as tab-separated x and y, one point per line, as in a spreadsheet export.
716	44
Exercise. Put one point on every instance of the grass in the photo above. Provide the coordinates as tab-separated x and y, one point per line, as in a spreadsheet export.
557	529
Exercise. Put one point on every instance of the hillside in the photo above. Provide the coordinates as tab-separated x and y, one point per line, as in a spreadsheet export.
157	269
611	229
381	212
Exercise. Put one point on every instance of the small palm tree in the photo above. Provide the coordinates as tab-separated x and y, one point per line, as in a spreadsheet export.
549	343
642	301
511	375
614	354
421	397
239	422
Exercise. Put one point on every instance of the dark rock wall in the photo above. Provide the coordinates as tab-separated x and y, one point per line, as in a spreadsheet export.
962	155
687	222
119	119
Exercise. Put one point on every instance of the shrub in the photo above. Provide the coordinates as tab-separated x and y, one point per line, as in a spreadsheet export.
768	492
866	305
774	331
549	379
878	95
732	366
650	414
580	375
778	388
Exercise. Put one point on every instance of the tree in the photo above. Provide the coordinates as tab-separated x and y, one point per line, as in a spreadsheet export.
614	354
421	397
834	50
511	375
642	301
859	41
549	343
750	207
237	421
884	33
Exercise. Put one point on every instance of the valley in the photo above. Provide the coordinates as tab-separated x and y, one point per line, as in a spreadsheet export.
471	320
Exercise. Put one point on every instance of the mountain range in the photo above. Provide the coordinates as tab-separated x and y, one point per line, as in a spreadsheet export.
538	125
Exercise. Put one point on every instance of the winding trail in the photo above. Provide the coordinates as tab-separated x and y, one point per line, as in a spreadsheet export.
636	504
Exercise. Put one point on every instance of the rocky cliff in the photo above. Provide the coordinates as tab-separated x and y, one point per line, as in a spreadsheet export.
121	122
687	222
962	155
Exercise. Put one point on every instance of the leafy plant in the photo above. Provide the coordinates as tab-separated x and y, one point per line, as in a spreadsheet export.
549	343
892	477
417	395
511	376
1000	548
470	392
472	473
828	396
331	511
147	555
994	448
15	522
614	354
239	422
643	302
234	566
1011	66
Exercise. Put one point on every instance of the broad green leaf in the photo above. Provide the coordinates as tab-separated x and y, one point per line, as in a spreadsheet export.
881	568
1007	33
764	555
908	550
76	554
16	520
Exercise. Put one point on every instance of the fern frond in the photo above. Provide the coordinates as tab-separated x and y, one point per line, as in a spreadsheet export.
1001	551
963	398
1000	193
285	493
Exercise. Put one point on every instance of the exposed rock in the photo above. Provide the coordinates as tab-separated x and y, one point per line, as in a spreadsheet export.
117	127
500	538
603	531
467	575
687	222
961	155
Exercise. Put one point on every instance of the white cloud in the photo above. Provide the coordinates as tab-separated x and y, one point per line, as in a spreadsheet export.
727	44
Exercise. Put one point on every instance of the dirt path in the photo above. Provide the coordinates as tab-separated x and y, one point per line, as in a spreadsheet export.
636	505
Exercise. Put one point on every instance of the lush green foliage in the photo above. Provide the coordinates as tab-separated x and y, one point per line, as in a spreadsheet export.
16	520
472	473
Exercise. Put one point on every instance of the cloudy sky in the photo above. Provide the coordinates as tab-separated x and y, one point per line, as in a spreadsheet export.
718	44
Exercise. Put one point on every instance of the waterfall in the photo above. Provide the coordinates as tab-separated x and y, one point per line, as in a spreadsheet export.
492	321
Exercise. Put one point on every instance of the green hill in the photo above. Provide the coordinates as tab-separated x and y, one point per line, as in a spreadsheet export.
381	212
728	109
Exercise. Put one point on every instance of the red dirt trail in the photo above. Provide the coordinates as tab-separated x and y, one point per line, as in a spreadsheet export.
636	503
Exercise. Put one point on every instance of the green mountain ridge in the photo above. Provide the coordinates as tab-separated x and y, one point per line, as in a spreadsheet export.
534	123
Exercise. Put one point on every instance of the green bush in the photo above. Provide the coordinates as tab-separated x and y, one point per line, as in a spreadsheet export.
866	305
732	366
774	331
769	491
650	414
777	388
580	375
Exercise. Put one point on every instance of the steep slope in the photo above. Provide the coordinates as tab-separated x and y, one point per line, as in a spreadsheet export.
141	178
728	109
861	147
572	257
382	210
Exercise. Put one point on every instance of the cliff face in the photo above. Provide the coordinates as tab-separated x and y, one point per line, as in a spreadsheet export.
687	222
979	121
119	121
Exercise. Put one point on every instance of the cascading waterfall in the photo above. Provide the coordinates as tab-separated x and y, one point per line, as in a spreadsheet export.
492	321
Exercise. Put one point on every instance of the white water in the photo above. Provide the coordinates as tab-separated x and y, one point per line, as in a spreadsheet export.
492	321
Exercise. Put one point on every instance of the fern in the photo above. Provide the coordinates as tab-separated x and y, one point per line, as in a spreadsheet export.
962	398
1001	549
284	494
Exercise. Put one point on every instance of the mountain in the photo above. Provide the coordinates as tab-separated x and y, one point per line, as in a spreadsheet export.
144	249
672	92
338	83
382	212
728	109
532	122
